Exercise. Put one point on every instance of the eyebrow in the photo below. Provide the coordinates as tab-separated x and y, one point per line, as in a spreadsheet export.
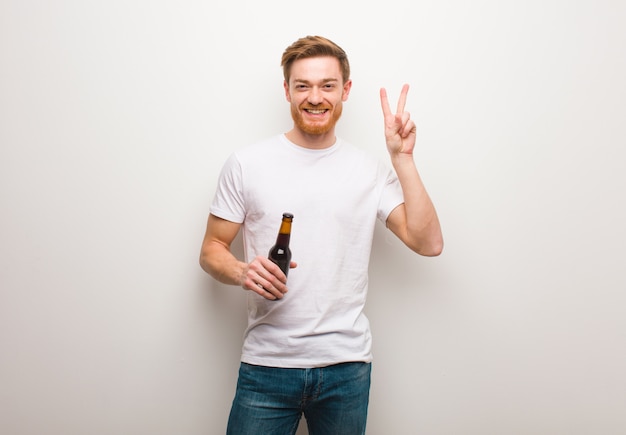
321	81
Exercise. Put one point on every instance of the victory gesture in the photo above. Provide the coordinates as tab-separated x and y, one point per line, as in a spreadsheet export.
400	130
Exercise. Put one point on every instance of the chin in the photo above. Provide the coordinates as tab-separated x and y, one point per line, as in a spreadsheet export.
316	129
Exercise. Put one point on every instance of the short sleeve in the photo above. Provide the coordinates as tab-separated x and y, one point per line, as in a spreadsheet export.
391	195
228	202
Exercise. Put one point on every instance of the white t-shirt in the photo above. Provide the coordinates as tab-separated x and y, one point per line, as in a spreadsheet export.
335	195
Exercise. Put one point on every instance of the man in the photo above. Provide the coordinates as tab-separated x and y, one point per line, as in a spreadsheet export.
307	347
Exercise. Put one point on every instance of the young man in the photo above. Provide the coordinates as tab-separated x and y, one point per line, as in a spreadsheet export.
307	347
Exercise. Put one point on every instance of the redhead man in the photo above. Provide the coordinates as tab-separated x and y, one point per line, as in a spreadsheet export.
307	347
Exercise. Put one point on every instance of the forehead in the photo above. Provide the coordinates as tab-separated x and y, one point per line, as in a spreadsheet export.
316	69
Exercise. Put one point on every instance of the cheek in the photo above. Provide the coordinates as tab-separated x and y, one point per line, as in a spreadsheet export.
297	100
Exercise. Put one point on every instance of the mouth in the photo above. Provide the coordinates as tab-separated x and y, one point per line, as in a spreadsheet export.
316	111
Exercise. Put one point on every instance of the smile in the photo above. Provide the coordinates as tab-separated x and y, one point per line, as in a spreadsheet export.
316	111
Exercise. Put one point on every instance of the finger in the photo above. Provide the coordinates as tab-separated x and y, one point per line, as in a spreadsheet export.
266	289
408	128
258	283
273	283
384	102
254	286
274	273
258	288
271	293
402	99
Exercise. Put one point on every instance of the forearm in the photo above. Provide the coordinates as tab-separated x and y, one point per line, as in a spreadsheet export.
420	227
260	275
218	261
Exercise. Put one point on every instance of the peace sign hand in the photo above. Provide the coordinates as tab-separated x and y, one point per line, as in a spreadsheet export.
400	130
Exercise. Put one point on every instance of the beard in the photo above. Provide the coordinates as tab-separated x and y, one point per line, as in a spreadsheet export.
316	128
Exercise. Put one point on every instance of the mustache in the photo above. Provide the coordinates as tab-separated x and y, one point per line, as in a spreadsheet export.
317	107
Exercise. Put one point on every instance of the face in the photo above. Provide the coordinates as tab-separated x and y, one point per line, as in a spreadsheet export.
316	92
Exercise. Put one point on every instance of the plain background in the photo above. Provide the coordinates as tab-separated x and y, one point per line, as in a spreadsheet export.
116	116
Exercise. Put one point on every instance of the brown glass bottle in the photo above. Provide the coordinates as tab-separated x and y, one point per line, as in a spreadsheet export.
280	252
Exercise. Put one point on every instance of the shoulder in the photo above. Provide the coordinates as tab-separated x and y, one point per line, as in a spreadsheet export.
252	153
260	148
360	156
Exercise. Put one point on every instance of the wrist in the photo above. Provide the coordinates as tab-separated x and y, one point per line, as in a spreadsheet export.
402	159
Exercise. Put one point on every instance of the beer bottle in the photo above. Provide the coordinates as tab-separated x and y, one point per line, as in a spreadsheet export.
280	252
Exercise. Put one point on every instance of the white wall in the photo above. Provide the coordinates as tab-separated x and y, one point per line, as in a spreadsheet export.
116	116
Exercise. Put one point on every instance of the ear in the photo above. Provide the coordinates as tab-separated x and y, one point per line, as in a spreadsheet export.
286	86
346	90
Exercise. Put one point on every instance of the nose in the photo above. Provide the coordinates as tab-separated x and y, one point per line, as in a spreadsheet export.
315	96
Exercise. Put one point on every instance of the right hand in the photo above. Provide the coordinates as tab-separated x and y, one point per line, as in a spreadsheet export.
265	278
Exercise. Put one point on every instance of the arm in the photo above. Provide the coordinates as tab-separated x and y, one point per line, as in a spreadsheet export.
261	275
415	222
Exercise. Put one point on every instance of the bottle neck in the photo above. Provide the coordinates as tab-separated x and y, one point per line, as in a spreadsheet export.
284	234
285	227
283	239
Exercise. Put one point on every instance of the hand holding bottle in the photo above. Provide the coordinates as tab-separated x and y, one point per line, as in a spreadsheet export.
268	276
265	278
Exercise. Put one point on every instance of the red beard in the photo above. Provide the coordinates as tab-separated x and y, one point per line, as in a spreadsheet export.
316	128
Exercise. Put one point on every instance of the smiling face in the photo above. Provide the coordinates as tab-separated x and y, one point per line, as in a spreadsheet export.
316	92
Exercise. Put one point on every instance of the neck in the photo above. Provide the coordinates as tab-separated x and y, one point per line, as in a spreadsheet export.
312	141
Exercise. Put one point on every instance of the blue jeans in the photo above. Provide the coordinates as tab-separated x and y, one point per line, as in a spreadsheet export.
271	401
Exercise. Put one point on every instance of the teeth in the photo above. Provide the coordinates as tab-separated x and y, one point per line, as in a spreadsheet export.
316	112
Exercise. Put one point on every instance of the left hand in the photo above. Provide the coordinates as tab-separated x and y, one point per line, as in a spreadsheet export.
400	130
